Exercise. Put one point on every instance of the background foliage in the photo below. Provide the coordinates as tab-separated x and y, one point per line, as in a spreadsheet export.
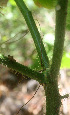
13	28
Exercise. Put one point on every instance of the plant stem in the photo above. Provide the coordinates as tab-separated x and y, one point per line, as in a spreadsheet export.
34	32
22	69
59	38
53	98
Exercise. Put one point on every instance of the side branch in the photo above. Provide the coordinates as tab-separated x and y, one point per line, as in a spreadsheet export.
34	32
22	69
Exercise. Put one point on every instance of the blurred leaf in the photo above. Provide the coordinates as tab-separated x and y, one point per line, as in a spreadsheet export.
36	63
13	24
66	61
12	2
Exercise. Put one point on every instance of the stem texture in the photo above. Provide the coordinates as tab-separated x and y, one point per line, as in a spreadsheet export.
22	69
53	98
34	32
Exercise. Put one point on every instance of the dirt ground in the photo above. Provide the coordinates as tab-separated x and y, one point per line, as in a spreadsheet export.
14	95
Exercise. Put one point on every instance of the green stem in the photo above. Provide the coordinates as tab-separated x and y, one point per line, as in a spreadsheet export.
22	69
59	38
53	98
34	32
65	96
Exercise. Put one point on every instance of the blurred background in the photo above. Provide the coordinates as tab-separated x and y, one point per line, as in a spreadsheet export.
16	40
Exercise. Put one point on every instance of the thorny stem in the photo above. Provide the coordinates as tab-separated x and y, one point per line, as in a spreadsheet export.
11	63
53	98
34	32
59	38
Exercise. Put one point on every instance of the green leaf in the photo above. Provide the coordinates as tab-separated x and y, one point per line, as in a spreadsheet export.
66	61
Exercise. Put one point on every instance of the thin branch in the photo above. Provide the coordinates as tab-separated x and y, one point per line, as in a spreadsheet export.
34	32
11	63
65	96
29	100
14	40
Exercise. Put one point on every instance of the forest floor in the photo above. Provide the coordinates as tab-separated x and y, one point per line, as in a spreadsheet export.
14	94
